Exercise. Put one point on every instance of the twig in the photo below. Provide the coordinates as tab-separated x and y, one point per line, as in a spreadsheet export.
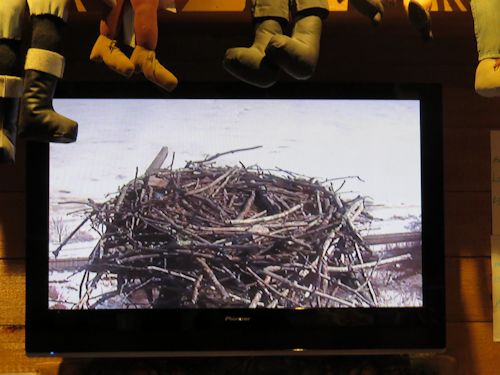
266	219
382	262
213	157
62	244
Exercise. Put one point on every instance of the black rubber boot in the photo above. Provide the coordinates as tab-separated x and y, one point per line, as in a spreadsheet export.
38	121
9	110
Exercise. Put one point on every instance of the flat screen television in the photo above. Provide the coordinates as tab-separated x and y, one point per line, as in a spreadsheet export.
303	219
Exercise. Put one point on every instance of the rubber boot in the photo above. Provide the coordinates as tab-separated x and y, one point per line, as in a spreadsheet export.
11	89
297	55
250	64
106	51
487	81
418	12
373	9
37	120
144	61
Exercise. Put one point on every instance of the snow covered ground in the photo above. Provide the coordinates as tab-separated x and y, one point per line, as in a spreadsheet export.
375	140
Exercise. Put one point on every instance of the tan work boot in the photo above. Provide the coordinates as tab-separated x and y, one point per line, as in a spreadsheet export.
297	55
418	12
106	51
145	61
487	82
250	64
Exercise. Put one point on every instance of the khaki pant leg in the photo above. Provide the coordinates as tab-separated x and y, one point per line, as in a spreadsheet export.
11	16
270	8
321	5
58	8
486	14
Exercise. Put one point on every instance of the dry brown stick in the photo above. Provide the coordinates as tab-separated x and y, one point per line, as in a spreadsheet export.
296	285
61	245
355	292
213	157
268	286
258	295
248	205
180	228
382	262
367	279
318	202
259	214
224	183
172	273
266	219
213	183
196	289
212	277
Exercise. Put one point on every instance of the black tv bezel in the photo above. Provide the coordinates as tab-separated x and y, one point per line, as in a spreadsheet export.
200	332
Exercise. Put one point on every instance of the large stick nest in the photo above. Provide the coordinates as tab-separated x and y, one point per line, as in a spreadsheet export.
231	236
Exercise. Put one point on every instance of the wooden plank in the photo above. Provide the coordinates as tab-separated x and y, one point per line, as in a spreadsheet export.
12	226
12	175
13	357
471	344
467	223
468	290
12	292
476	112
466	159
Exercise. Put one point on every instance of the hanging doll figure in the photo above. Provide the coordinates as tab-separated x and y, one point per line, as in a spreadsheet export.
486	14
273	51
418	12
143	59
11	88
44	66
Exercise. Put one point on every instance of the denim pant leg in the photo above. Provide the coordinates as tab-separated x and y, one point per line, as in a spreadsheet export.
320	5
486	15
270	8
11	16
58	8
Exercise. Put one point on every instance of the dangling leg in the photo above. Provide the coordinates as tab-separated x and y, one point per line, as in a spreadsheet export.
44	67
146	34
486	17
251	64
11	85
418	12
298	55
105	48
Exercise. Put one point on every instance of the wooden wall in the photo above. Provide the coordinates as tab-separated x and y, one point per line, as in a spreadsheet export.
192	46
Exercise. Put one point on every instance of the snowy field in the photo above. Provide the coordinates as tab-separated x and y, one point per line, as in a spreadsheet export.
377	141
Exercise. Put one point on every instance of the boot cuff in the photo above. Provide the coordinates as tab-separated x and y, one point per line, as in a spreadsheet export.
45	61
11	87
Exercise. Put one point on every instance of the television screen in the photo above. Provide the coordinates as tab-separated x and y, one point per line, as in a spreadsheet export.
233	211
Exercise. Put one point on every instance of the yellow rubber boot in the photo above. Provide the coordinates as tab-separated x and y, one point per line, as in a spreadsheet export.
418	12
106	51
487	82
145	61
